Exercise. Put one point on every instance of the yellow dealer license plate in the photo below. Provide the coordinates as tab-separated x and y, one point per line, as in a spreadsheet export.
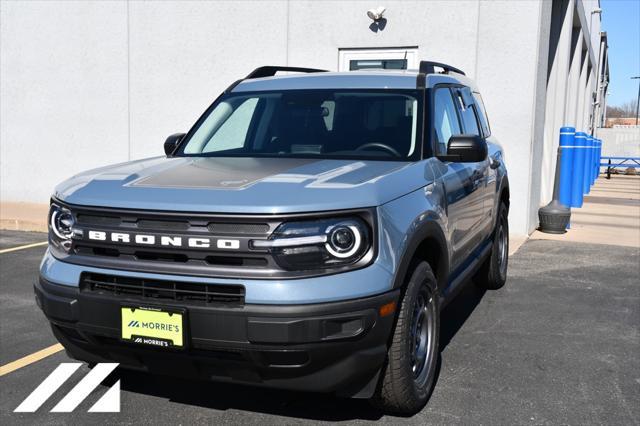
152	326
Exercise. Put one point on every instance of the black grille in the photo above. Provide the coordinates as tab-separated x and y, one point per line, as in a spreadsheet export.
239	228
187	257
190	293
89	219
163	225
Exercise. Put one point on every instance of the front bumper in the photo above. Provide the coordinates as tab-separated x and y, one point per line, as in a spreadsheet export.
327	347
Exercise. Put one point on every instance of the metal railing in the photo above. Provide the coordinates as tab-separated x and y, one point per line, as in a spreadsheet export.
622	162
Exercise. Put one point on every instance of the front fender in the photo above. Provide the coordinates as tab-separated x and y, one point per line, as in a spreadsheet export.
405	224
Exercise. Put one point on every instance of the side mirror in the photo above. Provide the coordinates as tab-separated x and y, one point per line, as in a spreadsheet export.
466	149
172	143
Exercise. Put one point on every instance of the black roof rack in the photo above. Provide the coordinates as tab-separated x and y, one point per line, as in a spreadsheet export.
270	71
428	67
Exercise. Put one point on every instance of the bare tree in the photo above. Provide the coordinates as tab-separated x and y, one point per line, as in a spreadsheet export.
629	108
625	110
615	112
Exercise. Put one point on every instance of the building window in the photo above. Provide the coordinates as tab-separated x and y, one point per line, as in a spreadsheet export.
389	58
384	64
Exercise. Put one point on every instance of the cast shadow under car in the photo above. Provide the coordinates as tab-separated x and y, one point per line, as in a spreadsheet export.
305	405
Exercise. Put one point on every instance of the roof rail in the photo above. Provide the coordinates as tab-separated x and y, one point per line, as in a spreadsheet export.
428	67
270	71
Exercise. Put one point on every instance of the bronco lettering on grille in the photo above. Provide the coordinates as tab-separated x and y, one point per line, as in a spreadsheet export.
163	240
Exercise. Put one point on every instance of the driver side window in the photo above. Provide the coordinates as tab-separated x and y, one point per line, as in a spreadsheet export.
445	119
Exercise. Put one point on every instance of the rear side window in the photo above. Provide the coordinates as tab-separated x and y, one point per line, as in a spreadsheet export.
482	114
445	119
464	101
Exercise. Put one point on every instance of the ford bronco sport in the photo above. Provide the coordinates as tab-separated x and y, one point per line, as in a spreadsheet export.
304	234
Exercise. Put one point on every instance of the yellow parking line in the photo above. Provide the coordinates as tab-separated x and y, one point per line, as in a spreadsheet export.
30	359
9	250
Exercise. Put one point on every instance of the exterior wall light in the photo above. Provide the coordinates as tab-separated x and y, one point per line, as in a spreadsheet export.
377	13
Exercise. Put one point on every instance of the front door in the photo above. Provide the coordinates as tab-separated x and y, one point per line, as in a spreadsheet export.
462	182
465	103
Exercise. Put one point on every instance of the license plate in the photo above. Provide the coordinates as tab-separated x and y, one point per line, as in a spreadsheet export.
152	326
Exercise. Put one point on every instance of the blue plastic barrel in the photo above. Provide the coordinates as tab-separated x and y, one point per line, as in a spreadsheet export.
577	180
586	177
567	135
594	157
588	164
592	164
597	160
600	155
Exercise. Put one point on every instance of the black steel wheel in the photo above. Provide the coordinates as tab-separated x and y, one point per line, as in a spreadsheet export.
493	273
408	375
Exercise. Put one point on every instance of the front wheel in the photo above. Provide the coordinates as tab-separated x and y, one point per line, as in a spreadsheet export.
408	375
492	274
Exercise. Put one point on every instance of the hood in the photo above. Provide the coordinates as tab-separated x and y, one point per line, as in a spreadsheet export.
243	185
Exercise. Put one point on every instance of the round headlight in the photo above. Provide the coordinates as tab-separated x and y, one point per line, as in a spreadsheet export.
344	241
62	222
318	244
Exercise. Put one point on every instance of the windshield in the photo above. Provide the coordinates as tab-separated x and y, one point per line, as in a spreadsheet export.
359	124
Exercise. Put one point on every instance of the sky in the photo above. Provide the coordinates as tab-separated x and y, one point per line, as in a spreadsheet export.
621	21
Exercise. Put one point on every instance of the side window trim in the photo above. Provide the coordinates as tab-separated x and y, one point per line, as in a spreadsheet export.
453	89
433	143
482	111
460	91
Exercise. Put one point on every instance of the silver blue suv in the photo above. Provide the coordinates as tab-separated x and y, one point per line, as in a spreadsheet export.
304	234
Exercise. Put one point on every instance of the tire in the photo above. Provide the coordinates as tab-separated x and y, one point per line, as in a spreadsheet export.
407	378
492	275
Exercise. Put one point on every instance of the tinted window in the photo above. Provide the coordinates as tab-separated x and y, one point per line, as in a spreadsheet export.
445	120
363	124
385	64
233	132
466	108
482	114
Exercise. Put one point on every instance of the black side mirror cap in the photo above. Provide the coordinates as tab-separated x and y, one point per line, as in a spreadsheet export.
466	149
172	142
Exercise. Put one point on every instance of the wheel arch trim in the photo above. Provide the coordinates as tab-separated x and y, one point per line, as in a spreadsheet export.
429	230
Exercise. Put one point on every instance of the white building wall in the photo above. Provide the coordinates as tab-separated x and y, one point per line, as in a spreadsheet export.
318	29
184	54
63	92
85	84
507	75
557	90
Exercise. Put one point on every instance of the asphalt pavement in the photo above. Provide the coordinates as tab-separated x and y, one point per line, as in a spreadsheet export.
558	345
